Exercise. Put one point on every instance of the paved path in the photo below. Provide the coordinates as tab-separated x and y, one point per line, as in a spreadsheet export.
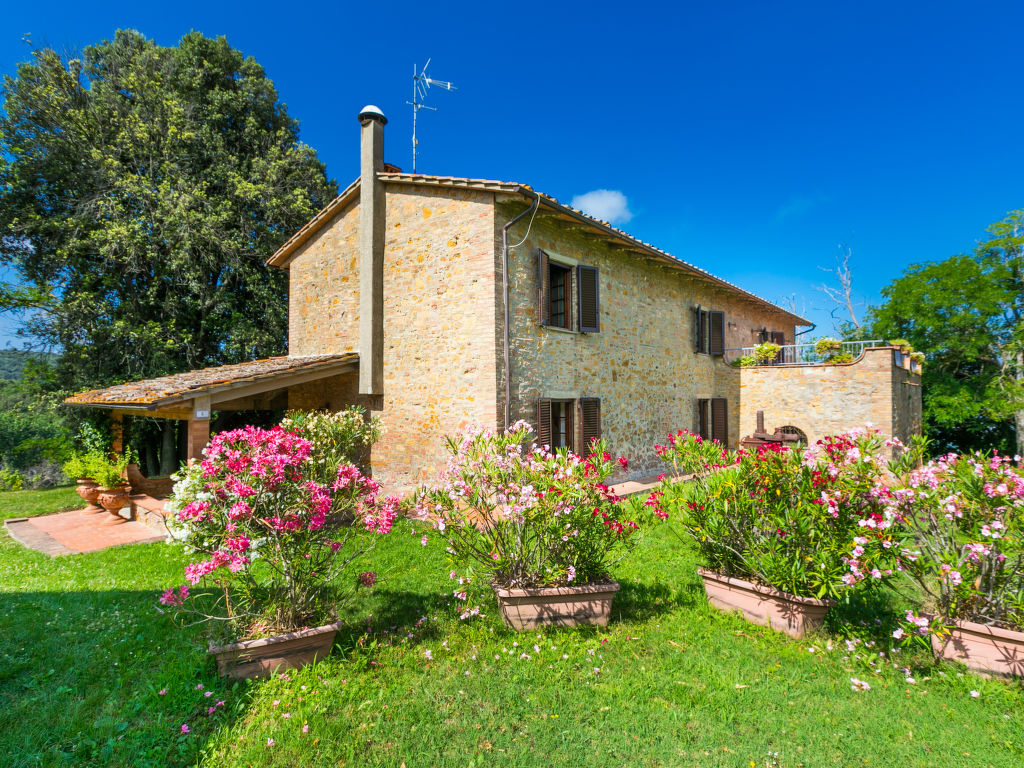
69	533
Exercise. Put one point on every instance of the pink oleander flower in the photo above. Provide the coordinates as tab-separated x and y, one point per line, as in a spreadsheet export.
368	578
185	728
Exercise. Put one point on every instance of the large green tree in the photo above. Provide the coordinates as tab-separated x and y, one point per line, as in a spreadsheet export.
141	189
966	314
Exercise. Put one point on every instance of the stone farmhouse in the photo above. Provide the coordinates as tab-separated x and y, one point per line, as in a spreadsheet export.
441	304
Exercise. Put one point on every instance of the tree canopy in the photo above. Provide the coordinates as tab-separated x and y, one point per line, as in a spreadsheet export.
966	314
141	189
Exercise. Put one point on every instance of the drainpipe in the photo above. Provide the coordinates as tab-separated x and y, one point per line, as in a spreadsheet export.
813	326
504	286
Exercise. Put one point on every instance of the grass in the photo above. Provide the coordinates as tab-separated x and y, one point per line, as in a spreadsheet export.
84	654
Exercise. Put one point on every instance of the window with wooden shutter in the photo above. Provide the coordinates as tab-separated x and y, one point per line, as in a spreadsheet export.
590	422
588	287
543	425
720	420
716	345
543	288
701	427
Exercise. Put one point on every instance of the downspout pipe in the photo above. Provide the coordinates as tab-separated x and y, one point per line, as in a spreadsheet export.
506	345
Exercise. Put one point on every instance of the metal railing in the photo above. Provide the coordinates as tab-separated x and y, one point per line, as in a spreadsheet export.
805	354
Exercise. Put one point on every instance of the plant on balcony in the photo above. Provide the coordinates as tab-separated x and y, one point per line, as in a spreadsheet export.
962	542
776	520
271	529
762	354
827	347
841	358
535	526
903	344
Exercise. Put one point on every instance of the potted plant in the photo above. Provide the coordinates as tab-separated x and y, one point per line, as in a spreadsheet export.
271	528
827	347
82	467
540	529
963	545
774	526
109	476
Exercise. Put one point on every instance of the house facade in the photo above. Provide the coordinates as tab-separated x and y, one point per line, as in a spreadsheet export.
602	330
442	304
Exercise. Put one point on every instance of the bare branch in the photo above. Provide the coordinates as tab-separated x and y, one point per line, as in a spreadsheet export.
844	307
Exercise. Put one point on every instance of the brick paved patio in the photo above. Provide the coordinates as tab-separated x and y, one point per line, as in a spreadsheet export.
69	533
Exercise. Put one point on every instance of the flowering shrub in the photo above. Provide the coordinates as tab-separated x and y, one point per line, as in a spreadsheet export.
339	436
521	516
962	524
780	517
272	526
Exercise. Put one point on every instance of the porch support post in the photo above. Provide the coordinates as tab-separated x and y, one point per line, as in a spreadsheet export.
198	428
116	433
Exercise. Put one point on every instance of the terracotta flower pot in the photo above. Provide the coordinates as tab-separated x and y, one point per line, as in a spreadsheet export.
263	657
983	648
526	609
87	488
113	499
770	607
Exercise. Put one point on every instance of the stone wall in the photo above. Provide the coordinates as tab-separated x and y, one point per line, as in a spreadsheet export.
642	363
439	322
875	389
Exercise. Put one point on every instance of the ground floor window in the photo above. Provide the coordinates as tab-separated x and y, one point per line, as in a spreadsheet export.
570	424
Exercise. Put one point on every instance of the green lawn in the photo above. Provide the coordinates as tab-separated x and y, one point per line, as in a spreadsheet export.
84	655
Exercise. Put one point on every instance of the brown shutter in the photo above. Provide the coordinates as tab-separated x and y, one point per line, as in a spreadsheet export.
779	337
720	420
717	345
543	421
543	288
700	326
588	287
702	419
696	329
590	422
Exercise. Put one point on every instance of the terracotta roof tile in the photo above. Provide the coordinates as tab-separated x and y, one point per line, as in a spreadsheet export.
182	386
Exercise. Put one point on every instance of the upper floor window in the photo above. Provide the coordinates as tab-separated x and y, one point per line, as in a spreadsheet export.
563	287
709	331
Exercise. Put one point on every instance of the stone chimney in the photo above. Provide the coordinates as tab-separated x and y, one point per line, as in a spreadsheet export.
371	251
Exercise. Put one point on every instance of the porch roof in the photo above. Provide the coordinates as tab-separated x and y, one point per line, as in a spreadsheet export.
219	384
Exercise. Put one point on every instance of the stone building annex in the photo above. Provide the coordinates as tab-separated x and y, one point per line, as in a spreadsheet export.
443	303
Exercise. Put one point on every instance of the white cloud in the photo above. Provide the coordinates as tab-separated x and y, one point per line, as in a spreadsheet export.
607	204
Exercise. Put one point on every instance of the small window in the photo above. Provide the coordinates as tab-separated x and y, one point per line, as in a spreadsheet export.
560	287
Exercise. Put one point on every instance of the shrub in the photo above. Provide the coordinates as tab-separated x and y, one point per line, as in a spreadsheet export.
272	525
513	515
827	347
779	517
901	343
10	480
338	436
842	357
107	472
766	353
962	523
746	361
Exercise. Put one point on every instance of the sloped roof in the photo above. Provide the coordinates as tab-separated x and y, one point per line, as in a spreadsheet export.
284	254
180	387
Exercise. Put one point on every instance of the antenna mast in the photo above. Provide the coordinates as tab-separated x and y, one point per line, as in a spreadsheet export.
420	85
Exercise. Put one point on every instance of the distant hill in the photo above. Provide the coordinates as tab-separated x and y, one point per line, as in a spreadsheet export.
12	361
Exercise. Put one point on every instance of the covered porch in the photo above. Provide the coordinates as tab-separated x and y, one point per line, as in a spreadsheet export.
276	383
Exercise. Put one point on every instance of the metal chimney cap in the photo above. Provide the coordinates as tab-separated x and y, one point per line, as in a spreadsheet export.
371	112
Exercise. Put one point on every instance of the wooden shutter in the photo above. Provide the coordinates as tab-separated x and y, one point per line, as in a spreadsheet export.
590	422
717	345
543	425
696	330
588	287
700	326
543	289
720	420
779	337
702	419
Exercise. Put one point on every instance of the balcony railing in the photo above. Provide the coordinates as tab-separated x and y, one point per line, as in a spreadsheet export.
805	354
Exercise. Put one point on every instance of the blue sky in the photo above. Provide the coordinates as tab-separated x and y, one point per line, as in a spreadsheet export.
750	138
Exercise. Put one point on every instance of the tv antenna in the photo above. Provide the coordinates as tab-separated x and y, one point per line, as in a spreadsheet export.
420	85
